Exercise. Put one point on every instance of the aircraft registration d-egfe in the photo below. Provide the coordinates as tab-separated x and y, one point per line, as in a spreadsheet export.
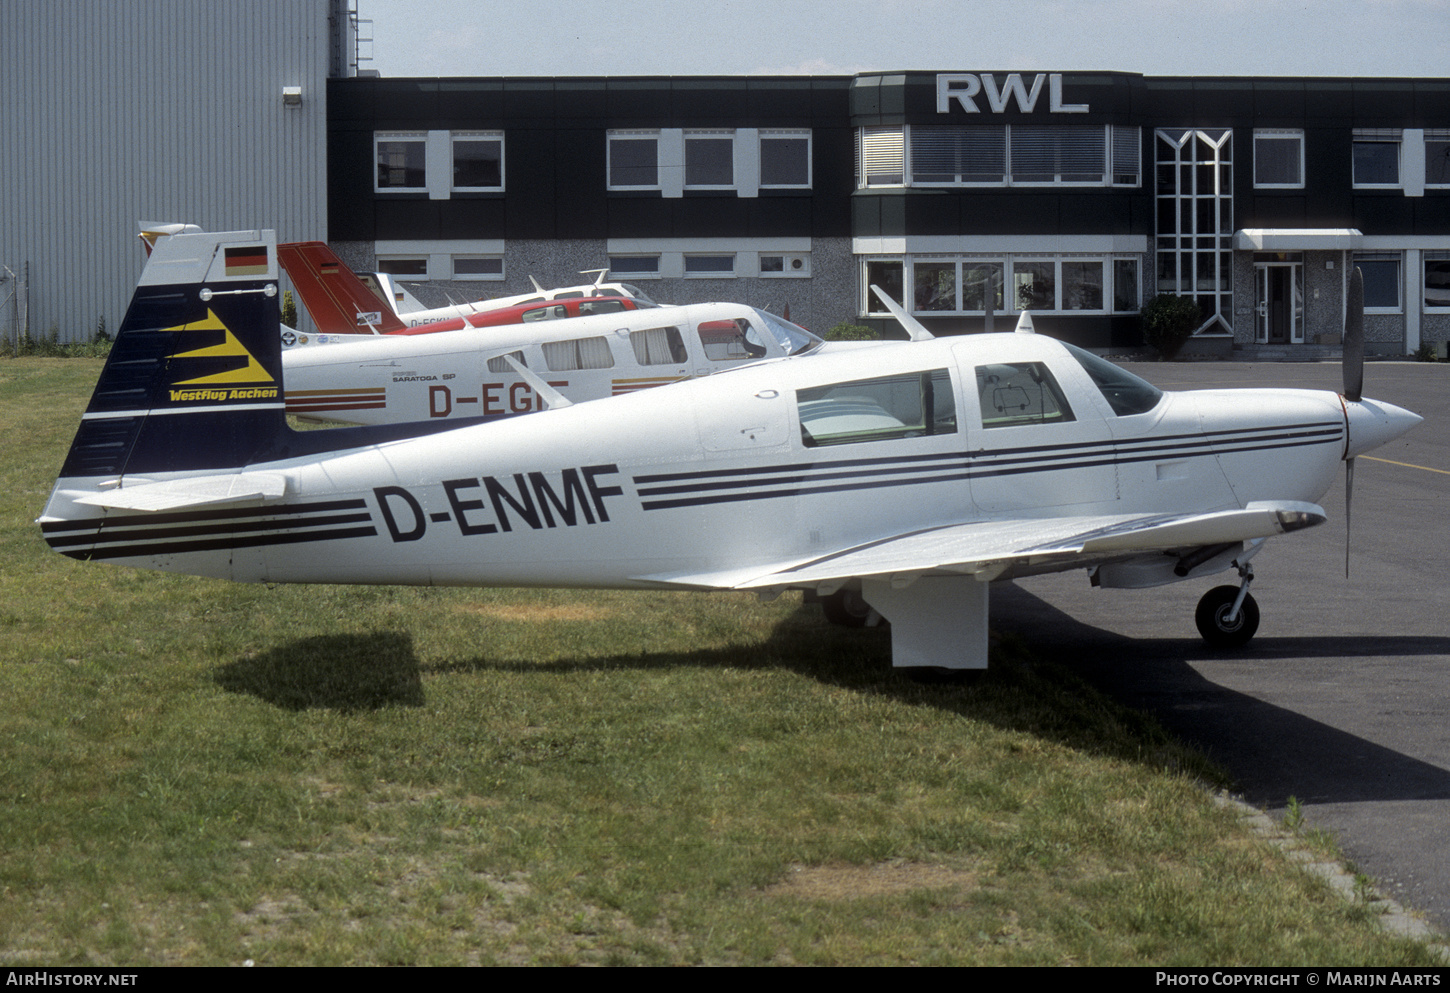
907	474
489	371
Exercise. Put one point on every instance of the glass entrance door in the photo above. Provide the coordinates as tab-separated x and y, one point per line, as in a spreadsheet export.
1279	302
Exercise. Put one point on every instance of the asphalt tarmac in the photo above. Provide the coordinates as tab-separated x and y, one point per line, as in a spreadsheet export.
1342	698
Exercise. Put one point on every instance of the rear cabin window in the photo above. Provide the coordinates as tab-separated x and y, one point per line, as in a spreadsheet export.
1020	393
658	346
600	307
580	353
499	364
910	405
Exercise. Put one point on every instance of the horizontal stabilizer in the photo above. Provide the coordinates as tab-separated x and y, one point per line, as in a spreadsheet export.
199	491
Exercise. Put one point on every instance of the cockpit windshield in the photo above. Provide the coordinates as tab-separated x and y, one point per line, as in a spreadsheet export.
795	340
1126	393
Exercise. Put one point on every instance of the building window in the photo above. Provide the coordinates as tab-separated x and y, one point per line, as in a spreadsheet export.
1437	282
1437	157
477	267
404	265
1381	281
635	266
401	161
999	155
634	160
718	266
709	160
1195	220
785	266
1377	158
785	160
1279	160
478	161
1063	284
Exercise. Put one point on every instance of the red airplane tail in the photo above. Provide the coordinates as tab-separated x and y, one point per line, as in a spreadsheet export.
338	301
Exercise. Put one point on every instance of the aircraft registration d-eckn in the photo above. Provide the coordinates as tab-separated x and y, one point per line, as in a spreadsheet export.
907	475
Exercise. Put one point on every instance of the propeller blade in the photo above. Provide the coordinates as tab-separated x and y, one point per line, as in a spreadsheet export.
1354	338
1348	499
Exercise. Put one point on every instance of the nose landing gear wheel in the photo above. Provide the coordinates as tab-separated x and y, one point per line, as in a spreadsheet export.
1211	618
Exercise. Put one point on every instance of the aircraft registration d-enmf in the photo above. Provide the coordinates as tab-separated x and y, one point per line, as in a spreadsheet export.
905	475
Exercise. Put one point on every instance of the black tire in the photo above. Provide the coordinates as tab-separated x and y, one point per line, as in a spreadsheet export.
1212	610
846	608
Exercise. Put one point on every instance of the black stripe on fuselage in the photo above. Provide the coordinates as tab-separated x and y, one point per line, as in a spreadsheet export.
843	475
175	532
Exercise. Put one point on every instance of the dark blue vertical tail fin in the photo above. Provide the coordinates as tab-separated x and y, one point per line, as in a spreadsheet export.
194	379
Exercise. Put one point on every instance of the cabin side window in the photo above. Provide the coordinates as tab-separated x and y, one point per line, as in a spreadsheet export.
658	346
580	353
553	312
909	405
1014	393
500	364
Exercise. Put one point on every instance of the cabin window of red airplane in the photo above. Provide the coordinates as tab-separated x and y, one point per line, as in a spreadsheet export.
909	405
600	307
551	313
478	161
401	159
1016	393
581	353
658	346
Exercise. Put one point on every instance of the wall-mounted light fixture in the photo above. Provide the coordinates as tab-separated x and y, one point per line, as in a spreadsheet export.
291	96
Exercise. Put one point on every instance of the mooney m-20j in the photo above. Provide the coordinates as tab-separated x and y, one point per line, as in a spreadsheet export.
910	474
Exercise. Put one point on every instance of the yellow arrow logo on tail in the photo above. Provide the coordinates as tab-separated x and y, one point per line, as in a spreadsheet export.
230	347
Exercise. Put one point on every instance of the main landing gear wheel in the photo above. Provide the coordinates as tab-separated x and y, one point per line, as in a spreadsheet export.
1212	618
846	608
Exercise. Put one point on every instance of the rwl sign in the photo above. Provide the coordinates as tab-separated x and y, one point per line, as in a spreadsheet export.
965	87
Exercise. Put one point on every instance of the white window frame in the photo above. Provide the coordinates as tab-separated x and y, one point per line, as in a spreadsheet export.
710	135
634	276
379	137
794	265
890	146
1379	136
1435	136
1279	135
1443	258
1360	258
458	136
1007	264
787	135
478	276
410	277
731	273
630	135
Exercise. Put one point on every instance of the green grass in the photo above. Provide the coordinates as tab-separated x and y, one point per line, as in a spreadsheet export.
204	773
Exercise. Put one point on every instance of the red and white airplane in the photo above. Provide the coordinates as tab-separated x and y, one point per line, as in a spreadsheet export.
904	475
341	302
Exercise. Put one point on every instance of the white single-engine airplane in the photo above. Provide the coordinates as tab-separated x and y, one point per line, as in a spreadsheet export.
909	474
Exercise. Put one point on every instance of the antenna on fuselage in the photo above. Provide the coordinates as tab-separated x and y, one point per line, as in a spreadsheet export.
1024	324
914	329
